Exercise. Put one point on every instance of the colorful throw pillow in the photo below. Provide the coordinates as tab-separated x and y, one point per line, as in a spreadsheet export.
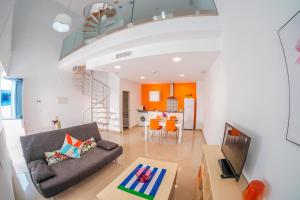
88	145
54	157
71	147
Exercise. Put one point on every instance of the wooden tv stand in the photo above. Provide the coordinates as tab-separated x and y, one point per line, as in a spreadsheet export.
211	185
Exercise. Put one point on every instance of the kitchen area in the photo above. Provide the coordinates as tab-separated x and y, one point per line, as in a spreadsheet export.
168	100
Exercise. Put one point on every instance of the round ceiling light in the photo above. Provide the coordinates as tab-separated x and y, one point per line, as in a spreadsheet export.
62	23
142	77
117	67
177	59
181	75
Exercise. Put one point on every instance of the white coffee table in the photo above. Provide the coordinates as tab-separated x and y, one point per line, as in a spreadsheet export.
165	191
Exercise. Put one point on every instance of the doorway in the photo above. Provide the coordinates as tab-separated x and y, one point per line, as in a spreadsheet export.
125	109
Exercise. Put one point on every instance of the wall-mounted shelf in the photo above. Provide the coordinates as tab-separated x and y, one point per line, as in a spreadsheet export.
211	185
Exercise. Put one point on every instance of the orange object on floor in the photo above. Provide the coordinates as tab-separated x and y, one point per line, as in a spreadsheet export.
254	191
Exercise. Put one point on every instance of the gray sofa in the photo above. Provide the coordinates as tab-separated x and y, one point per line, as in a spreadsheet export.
70	171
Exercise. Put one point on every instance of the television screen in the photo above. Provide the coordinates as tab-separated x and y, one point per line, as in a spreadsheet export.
235	148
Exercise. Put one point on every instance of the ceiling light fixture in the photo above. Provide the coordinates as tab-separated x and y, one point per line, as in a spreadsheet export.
62	22
181	75
142	77
177	59
117	67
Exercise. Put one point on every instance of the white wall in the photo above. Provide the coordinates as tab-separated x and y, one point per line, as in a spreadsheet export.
6	173
6	21
249	89
35	56
200	104
214	103
134	100
115	102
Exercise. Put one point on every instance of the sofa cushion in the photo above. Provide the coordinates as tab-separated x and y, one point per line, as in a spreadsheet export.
88	145
71	171
107	145
40	170
54	157
71	147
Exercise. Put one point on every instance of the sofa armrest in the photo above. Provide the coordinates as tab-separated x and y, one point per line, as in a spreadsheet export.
107	145
40	171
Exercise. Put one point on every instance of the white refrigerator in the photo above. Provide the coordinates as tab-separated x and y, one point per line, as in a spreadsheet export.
189	113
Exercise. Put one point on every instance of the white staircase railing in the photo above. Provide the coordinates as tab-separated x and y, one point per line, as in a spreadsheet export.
99	94
100	108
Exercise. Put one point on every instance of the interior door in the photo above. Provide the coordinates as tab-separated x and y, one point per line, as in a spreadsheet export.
125	109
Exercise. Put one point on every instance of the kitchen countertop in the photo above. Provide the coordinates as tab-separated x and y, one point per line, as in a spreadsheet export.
159	111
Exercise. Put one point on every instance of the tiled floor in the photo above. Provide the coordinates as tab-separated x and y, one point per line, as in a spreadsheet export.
187	155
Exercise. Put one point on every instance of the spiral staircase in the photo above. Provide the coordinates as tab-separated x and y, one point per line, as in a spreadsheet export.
98	17
99	93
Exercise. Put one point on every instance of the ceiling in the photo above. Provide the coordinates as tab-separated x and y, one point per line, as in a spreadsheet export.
162	69
76	5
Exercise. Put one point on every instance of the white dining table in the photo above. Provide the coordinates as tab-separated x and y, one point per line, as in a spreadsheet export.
163	124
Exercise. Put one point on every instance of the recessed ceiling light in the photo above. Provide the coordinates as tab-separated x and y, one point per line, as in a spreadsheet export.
117	67
142	77
176	59
181	75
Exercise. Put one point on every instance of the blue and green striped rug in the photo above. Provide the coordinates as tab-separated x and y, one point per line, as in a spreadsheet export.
146	190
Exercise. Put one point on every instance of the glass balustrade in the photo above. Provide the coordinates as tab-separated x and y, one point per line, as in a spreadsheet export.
118	15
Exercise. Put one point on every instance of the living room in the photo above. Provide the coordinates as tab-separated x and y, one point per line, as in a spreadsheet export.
231	58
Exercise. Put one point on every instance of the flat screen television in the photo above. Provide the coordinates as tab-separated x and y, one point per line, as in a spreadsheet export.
235	149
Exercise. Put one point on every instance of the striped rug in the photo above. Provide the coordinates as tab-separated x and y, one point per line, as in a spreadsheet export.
146	190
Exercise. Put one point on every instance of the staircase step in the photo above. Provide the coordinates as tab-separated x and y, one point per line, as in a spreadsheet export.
100	112
91	24
96	18
91	34
100	107
102	117
90	31
102	123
